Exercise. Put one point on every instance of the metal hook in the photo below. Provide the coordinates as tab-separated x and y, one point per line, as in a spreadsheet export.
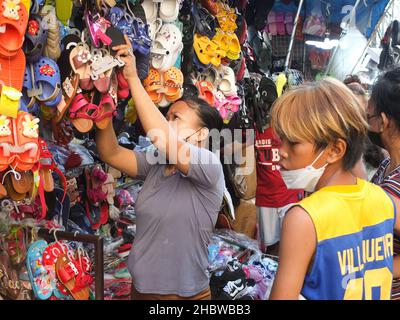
75	233
55	234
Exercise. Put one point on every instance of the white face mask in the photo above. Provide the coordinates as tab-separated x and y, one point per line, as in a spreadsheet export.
304	178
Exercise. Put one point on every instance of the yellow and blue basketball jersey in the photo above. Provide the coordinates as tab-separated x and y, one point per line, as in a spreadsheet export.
354	254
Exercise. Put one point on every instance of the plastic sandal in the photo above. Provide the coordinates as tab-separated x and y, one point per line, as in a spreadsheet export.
6	141
228	82
169	10
64	10
14	19
220	100
206	92
152	84
166	47
203	48
47	76
151	10
13	70
140	39
107	110
40	279
154	28
211	6
82	113
72	277
234	47
204	22
35	38
97	29
173	81
27	134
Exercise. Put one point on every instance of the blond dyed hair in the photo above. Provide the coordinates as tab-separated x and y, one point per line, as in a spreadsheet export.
320	113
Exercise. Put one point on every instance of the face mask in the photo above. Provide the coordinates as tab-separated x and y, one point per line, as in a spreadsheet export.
304	178
375	138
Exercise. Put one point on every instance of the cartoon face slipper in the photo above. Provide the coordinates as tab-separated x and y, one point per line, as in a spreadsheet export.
14	18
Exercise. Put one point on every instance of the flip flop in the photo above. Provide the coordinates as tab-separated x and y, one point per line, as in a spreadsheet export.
70	275
64	10
35	38
47	76
24	184
15	22
68	43
14	195
40	279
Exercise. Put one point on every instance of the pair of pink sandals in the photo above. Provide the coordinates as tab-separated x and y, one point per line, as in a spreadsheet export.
227	105
84	114
280	23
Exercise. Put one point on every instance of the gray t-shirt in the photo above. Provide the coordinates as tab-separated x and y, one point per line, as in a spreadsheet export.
175	217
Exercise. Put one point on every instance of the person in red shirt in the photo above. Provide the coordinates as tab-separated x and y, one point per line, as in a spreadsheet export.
273	199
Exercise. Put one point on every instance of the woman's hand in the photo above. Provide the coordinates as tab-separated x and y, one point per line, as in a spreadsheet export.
125	53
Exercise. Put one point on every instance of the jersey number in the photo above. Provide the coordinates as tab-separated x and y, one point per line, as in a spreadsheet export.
372	278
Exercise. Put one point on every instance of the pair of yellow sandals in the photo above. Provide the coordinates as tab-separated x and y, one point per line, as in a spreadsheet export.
223	45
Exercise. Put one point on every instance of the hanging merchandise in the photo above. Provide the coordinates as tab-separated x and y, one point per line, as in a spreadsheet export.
350	49
315	22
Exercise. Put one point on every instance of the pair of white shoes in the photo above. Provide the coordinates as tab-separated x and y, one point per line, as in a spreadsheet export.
166	47
168	10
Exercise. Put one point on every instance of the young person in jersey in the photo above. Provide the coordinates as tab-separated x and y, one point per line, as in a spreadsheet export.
272	197
383	114
337	243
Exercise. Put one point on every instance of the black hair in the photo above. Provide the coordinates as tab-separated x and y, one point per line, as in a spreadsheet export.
209	117
373	154
386	95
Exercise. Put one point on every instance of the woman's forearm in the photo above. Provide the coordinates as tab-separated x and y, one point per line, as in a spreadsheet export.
106	142
154	123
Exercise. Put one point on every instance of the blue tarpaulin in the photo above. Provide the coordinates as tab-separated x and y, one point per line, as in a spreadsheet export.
367	15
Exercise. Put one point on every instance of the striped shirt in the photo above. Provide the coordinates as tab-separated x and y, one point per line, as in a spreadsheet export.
391	184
